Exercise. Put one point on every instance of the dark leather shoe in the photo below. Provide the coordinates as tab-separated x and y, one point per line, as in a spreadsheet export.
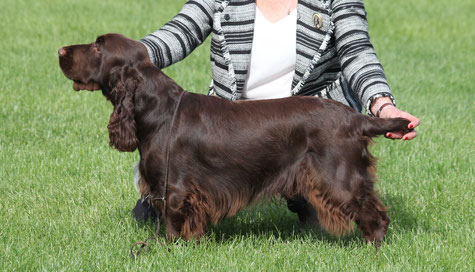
307	214
144	211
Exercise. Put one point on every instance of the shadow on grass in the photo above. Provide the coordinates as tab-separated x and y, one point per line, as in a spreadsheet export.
273	221
402	218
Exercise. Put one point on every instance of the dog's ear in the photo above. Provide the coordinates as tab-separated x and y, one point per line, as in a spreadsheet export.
122	130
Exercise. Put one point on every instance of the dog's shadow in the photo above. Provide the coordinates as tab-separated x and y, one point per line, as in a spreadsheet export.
274	221
267	222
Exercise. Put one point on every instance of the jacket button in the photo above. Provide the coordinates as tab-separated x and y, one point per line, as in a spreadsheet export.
227	17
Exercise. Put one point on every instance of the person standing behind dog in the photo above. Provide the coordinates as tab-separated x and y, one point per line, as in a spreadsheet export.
263	49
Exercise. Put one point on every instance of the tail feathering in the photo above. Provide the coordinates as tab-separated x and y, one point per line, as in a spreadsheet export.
373	126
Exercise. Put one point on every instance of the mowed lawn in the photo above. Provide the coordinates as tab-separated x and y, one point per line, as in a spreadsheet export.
66	196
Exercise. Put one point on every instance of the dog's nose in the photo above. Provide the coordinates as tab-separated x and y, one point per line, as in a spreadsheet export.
61	52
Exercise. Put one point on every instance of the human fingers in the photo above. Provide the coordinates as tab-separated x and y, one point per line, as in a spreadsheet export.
409	136
394	135
398	135
414	121
399	113
393	112
412	125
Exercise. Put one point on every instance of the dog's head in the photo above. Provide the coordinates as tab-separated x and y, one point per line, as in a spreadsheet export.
111	63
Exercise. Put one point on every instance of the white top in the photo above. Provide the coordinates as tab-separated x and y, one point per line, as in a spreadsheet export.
273	58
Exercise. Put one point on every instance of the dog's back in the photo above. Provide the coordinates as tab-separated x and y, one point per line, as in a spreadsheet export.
244	150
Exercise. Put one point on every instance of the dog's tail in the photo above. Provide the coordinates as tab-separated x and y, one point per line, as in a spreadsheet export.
373	126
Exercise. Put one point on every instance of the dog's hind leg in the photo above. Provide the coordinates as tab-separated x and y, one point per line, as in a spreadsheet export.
371	216
343	201
329	200
331	212
366	208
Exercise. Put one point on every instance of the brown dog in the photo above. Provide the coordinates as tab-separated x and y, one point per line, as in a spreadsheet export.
218	156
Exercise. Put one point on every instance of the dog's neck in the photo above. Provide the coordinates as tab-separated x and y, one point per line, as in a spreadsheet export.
155	101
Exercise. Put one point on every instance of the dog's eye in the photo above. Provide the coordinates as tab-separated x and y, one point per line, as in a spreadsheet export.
100	39
95	48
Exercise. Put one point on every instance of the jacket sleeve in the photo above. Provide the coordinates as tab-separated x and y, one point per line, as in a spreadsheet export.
357	56
180	36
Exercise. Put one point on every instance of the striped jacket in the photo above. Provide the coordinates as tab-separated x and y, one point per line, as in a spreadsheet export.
335	58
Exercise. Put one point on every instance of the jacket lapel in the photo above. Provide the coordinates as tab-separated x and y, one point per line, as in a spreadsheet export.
313	24
237	22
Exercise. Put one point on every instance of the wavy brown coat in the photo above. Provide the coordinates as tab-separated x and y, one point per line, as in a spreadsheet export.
225	155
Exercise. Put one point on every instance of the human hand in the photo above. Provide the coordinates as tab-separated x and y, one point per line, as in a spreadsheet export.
390	111
88	86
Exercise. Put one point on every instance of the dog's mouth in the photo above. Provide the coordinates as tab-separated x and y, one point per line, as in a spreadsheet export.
79	82
89	86
77	85
66	64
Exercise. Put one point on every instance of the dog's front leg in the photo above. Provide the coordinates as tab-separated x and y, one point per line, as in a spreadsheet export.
186	218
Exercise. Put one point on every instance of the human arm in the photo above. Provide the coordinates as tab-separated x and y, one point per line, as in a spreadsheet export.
181	35
361	66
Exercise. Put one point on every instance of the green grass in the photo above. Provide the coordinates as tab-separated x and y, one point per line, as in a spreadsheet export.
66	196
